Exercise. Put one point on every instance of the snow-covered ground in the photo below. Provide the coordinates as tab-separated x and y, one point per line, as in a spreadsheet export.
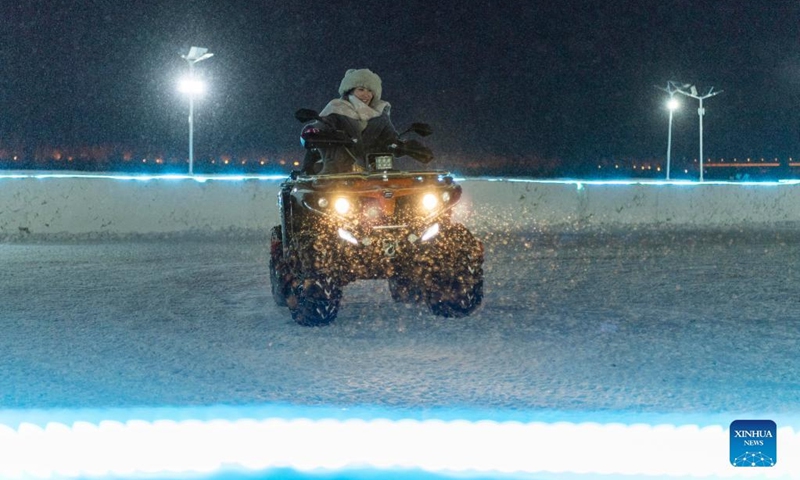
644	322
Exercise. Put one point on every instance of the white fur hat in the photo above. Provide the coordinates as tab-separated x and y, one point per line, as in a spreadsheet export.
361	78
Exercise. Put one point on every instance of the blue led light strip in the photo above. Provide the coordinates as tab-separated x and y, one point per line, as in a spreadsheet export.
121	176
138	447
204	178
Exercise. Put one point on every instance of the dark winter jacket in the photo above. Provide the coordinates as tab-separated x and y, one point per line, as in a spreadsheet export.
370	126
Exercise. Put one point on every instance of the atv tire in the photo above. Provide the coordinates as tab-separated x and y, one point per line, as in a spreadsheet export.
455	285
403	290
317	302
279	275
316	290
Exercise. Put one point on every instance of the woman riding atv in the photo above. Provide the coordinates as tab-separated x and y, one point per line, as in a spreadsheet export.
362	115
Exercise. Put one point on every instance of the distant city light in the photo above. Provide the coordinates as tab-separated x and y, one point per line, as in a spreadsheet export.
755	167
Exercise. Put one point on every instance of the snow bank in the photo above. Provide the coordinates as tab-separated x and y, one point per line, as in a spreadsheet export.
111	206
581	205
105	205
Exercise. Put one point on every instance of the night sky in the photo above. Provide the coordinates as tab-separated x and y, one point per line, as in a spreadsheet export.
573	80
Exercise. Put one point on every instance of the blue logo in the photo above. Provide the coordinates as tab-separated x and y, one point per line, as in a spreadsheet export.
754	443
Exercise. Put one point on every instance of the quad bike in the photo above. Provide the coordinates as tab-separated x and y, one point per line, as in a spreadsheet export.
379	223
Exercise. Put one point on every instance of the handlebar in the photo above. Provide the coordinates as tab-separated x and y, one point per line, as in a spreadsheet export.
315	138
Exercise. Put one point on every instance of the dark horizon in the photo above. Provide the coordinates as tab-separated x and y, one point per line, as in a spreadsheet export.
573	81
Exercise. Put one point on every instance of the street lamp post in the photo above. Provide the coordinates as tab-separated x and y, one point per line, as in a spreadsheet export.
191	86
700	112
672	105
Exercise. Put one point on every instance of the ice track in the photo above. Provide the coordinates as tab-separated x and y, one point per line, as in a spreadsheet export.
642	322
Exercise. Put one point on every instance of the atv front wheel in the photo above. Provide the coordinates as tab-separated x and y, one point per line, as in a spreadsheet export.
317	302
455	288
316	288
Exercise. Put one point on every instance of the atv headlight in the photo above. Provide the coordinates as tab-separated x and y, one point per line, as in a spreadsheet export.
322	202
342	205
431	232
430	202
347	236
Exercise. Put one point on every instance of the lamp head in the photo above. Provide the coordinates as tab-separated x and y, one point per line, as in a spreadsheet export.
197	54
672	104
191	86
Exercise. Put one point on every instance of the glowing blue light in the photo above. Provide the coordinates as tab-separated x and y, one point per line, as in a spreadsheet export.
584	183
238	178
196	442
143	178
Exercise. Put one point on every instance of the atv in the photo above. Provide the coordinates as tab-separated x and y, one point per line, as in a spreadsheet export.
380	223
